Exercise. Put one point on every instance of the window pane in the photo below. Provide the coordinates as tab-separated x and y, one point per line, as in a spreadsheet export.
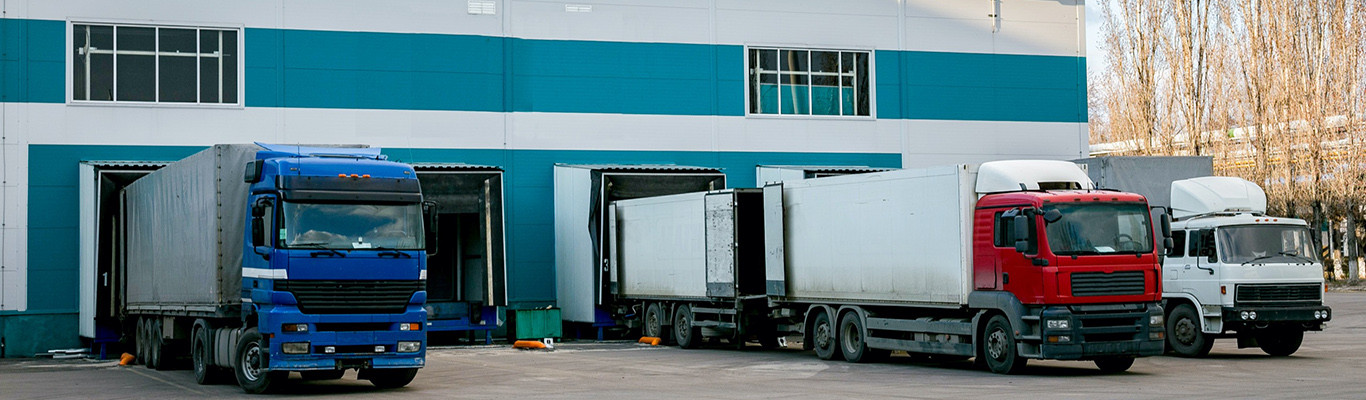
101	63
768	60
208	66
78	62
794	90
794	60
862	88
176	76
136	66
229	67
825	61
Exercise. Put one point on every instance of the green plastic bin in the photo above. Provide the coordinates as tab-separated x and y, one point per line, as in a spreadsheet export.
535	324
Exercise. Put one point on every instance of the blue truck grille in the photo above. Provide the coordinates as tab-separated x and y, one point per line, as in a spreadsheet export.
1103	284
351	297
1261	295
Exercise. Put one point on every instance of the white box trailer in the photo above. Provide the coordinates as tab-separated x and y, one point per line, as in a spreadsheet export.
702	252
777	173
582	193
899	237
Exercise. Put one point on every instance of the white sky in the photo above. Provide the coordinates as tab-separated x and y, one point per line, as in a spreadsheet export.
1095	58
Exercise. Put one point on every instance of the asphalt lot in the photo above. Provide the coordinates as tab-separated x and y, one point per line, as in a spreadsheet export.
1328	365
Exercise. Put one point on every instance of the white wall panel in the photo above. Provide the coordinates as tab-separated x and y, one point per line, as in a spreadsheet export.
1039	38
810	135
14	225
629	21
936	142
949	34
832	26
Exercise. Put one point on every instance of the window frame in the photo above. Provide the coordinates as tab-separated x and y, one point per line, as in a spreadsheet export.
156	76
872	82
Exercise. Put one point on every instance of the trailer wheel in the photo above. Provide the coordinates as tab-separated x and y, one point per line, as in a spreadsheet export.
155	344
688	336
998	347
824	338
1114	365
1184	335
251	368
1280	342
853	343
653	325
140	340
391	378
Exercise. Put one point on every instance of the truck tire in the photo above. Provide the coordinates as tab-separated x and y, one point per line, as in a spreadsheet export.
205	373
249	362
1280	342
653	323
999	347
1114	365
391	378
140	341
853	343
824	337
688	336
324	375
155	344
1184	337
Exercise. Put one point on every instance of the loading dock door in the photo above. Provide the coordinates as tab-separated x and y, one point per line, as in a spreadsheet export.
101	283
469	268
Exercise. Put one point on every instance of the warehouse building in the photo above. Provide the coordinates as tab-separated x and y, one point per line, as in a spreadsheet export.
96	93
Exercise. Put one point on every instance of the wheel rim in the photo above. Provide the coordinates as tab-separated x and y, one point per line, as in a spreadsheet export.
823	334
851	338
1184	331
251	362
652	323
997	344
684	325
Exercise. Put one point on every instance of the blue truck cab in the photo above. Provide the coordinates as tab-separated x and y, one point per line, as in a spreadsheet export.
334	267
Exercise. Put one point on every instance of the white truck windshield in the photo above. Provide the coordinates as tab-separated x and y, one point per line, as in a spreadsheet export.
352	226
1264	244
1100	228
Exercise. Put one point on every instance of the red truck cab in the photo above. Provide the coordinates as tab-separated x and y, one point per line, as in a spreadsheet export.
1083	266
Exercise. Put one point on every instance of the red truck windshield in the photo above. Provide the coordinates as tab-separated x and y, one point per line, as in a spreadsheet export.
1100	228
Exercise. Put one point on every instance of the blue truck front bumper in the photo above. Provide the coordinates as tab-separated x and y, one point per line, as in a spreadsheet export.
341	341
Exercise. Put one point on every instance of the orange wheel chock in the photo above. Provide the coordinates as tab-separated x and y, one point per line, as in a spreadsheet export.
653	341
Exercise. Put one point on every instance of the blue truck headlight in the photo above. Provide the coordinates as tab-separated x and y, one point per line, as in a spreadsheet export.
294	328
409	347
295	348
1156	320
1057	324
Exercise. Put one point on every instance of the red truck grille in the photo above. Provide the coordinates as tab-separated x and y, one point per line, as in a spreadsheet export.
1120	283
351	297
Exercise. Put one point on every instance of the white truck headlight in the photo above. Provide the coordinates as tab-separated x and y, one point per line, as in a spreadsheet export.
1156	320
409	347
1243	314
1057	324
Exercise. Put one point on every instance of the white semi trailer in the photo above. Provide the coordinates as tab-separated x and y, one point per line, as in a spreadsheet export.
1005	262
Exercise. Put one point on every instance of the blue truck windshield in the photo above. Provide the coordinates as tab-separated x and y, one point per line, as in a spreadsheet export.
1100	228
352	226
1265	244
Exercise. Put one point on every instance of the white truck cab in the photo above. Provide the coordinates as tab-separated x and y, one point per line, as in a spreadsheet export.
1237	273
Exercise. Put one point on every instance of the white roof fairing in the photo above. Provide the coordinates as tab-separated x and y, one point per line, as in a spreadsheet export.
1017	175
1213	194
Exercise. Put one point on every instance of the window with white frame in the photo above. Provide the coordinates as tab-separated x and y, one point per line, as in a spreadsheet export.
154	64
809	82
